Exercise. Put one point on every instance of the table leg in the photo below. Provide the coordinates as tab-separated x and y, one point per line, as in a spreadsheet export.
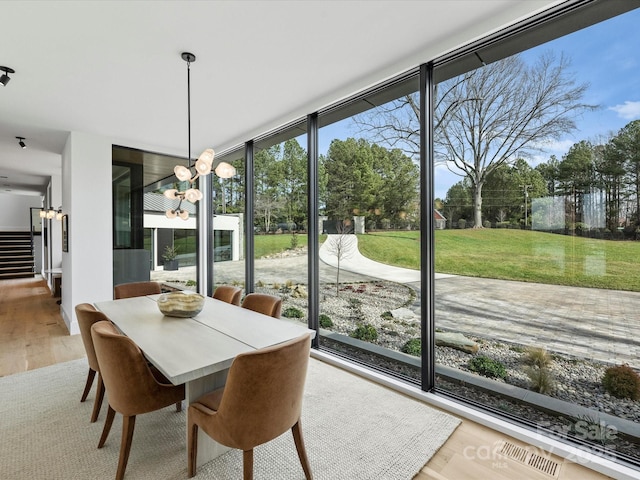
208	449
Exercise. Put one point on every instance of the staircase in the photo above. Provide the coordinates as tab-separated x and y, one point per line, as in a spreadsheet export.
16	255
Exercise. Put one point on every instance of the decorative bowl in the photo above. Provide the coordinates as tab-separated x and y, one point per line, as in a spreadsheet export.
181	304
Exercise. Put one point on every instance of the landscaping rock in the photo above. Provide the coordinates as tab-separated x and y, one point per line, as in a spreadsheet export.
403	314
457	341
299	291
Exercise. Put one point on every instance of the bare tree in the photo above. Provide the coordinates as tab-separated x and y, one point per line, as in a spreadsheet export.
337	245
267	207
488	117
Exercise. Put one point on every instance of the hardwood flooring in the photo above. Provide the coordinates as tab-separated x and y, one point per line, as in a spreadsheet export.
33	335
32	332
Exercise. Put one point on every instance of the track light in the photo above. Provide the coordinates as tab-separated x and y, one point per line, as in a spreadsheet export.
4	79
21	142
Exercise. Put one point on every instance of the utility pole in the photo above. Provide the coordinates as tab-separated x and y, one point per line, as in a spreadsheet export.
526	203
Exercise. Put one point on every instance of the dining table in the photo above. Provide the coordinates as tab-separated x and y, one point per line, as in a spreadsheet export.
198	351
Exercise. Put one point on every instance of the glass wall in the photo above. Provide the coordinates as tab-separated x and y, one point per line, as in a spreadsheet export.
535	226
369	190
280	219
228	207
537	286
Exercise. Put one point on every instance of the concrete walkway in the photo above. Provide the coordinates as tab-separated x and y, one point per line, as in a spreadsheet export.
588	323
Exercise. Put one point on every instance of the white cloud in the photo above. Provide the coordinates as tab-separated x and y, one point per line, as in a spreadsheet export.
628	111
555	146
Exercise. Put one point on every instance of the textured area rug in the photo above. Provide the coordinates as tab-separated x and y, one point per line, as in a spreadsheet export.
353	429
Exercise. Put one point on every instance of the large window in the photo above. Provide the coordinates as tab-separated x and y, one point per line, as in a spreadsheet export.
369	298
537	285
280	219
228	210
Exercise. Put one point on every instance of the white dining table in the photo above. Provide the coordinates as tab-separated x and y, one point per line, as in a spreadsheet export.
198	351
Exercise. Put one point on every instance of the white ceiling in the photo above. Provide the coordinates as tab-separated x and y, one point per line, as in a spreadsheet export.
113	68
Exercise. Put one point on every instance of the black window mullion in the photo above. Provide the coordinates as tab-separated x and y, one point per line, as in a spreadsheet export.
249	210
427	261
312	225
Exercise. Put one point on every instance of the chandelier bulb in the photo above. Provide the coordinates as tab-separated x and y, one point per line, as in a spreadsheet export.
203	167
193	195
225	170
182	172
171	194
184	215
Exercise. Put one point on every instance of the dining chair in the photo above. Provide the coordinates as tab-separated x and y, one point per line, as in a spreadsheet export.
261	400
134	387
87	315
136	289
263	303
229	294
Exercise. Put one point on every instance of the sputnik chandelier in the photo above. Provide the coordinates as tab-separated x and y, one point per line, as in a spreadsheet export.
203	164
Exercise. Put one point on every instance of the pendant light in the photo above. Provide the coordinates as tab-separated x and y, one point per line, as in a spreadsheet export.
203	164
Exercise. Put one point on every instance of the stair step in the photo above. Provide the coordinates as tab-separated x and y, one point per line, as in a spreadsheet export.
17	261
7	276
19	268
16	255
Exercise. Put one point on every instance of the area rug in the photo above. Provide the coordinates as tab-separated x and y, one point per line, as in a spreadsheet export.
353	429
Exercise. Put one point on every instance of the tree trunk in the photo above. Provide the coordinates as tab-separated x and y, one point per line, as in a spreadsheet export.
477	206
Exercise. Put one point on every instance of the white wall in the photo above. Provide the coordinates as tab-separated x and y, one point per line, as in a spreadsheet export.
15	214
87	269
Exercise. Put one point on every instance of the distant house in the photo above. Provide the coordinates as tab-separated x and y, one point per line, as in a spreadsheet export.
439	220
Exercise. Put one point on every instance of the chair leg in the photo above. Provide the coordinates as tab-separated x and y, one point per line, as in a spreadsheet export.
302	452
128	424
247	464
87	387
192	448
179	406
97	404
107	426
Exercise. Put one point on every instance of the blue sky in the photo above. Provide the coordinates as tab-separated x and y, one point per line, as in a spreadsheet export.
606	56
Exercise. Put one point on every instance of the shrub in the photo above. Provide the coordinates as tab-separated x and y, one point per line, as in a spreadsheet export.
622	382
413	347
537	357
355	302
386	315
487	367
486	224
365	332
542	380
191	283
292	312
260	283
294	241
462	223
325	321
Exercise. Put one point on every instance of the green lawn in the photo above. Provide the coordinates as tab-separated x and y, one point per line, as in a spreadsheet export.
502	253
516	255
270	244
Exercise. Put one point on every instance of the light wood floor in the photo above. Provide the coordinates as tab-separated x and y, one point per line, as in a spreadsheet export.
33	335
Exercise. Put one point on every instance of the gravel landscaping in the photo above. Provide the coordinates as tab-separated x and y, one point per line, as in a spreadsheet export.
359	304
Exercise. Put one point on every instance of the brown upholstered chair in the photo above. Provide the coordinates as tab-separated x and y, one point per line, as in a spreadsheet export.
263	303
229	294
133	386
261	400
136	289
87	315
